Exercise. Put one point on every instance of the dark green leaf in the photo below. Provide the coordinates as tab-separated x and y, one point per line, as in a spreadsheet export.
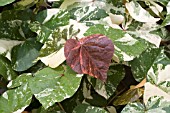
23	55
6	69
16	99
14	25
115	75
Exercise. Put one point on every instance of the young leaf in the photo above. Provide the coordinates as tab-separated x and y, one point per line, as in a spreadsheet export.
90	55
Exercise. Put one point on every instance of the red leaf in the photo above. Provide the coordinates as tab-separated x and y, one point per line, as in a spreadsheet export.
90	55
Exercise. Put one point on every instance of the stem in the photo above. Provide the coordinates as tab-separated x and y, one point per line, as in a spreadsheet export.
115	97
61	107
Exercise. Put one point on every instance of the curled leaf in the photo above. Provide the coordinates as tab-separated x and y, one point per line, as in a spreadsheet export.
90	55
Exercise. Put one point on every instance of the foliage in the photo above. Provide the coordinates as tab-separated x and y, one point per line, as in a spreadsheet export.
49	47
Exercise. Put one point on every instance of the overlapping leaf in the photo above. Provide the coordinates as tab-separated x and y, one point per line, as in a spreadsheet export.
47	26
154	105
140	66
6	69
138	13
90	55
115	75
23	55
158	78
126	47
17	99
14	26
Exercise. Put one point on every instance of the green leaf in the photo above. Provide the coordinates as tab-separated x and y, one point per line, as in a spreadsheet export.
20	80
87	13
138	13
23	55
154	105
45	29
6	69
126	47
149	31
141	65
115	75
166	21
50	86
83	108
14	24
16	99
5	2
158	78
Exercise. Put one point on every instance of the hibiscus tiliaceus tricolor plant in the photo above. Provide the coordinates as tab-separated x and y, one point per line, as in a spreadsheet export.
90	55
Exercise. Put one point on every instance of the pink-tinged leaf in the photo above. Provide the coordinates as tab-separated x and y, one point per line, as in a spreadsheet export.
90	55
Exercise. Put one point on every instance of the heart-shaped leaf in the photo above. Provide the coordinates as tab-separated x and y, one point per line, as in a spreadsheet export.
90	55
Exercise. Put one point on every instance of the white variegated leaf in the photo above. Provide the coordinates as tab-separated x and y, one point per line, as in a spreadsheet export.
138	13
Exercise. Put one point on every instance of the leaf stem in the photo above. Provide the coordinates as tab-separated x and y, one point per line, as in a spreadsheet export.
115	96
61	107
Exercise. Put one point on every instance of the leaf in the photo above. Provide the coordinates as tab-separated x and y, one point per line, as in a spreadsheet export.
50	86
167	19
6	69
168	8
87	13
138	13
126	47
115	75
7	45
20	80
140	66
23	4
149	31
5	2
90	55
52	109
15	100
129	96
23	55
158	78
14	24
45	29
154	105
18	98
55	59
83	108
